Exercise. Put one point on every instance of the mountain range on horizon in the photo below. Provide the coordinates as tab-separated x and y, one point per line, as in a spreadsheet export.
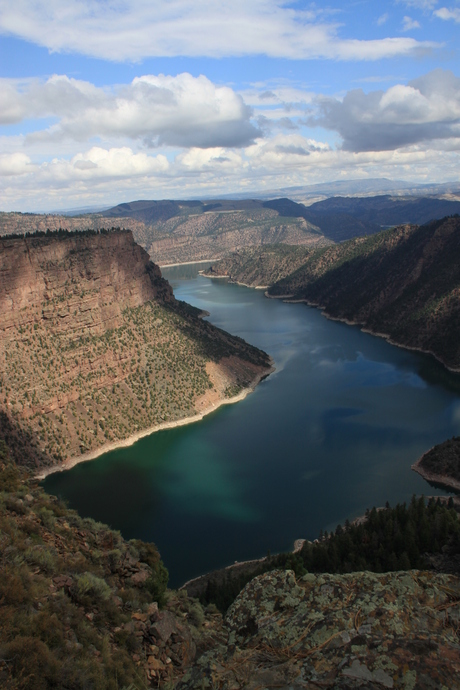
354	187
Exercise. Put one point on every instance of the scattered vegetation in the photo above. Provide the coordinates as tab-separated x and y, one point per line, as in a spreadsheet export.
61	232
68	590
261	266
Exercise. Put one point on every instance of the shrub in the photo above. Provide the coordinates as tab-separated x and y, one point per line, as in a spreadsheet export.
90	586
41	556
31	663
47	517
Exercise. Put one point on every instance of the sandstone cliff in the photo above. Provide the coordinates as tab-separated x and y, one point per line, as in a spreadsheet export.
77	284
94	347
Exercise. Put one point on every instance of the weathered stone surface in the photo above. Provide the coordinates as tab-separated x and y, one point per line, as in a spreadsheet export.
34	271
164	626
363	630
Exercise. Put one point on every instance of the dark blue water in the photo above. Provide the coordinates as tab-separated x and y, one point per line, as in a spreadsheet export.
332	432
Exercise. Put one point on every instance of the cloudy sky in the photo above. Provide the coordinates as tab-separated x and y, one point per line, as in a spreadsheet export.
104	101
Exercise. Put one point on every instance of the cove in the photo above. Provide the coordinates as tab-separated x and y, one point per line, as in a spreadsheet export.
332	432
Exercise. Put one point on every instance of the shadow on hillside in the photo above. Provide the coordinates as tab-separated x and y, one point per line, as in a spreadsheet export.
23	444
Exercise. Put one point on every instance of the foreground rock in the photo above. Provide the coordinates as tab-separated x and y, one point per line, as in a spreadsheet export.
363	630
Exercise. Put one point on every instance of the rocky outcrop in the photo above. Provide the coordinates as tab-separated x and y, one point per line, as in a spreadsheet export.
363	630
441	464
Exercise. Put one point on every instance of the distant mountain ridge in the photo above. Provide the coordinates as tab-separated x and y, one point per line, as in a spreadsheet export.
178	231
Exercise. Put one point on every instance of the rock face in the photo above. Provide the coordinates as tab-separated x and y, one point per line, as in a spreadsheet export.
363	630
99	276
95	349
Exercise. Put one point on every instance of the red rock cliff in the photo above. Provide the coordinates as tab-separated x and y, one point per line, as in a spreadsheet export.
99	276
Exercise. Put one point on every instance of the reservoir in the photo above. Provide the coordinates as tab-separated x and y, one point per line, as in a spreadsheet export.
332	432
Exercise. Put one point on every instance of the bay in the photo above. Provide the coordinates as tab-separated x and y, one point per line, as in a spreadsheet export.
332	432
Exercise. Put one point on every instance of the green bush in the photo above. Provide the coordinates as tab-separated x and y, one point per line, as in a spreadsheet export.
90	586
43	557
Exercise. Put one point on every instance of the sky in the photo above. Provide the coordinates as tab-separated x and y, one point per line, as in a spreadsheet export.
108	101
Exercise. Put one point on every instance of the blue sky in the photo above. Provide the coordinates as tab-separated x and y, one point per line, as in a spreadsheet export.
103	102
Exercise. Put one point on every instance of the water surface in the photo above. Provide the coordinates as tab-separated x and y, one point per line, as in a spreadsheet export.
333	431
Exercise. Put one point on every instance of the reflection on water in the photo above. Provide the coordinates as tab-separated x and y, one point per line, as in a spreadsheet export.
332	432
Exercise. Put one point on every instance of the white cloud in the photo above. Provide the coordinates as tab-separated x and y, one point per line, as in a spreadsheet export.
218	160
160	110
136	29
383	19
425	109
446	14
108	176
115	162
285	151
409	24
15	164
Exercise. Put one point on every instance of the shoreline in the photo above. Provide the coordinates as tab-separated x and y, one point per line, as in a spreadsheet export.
69	463
198	584
287	299
234	282
443	480
187	263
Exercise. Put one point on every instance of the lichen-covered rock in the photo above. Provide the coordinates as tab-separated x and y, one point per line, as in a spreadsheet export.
362	630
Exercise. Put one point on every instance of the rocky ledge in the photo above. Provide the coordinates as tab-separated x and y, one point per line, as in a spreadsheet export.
361	630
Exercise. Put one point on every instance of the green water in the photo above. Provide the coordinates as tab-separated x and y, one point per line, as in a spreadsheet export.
333	431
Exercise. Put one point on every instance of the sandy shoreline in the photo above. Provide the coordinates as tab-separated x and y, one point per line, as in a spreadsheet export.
187	263
235	282
124	443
